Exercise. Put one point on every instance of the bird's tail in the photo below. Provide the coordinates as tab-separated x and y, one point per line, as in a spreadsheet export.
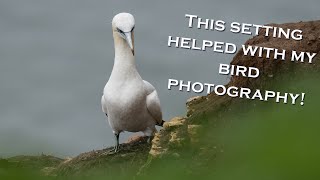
161	124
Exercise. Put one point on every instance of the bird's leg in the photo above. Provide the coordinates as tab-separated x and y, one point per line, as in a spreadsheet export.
150	132
116	146
150	138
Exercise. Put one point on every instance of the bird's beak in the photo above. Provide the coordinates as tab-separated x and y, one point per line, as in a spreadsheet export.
129	41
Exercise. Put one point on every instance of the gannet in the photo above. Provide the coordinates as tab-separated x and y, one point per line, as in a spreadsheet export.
130	103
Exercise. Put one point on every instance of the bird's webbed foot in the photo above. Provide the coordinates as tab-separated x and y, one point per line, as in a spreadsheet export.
114	150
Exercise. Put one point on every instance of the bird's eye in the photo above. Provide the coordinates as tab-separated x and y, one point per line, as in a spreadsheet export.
119	30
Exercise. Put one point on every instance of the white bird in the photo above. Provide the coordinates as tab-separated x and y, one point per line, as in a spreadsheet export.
130	103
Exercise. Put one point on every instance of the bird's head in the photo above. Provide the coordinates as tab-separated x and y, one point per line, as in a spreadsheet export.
123	26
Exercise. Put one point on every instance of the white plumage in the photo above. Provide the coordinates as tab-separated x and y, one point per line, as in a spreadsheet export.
130	103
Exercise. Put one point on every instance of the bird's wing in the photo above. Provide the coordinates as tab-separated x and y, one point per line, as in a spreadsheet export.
104	105
153	102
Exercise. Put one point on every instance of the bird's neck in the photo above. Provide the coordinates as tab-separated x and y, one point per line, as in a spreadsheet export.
124	61
122	49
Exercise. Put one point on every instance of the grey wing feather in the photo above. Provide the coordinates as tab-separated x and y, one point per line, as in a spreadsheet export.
104	105
153	102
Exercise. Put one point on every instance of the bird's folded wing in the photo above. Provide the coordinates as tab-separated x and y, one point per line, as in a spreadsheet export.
104	104
153	103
